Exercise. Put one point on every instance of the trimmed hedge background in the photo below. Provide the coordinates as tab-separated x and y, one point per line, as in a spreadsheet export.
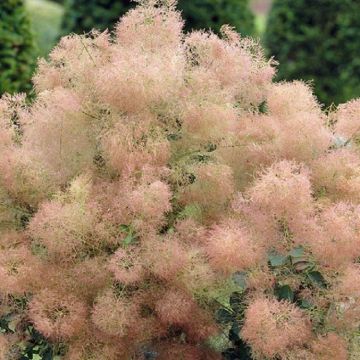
317	40
83	15
200	14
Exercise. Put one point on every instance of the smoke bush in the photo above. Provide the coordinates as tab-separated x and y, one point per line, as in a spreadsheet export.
163	199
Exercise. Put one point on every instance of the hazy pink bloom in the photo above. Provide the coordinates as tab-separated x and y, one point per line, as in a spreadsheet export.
88	278
337	175
64	229
175	308
337	243
126	266
112	315
151	165
87	347
272	327
15	266
185	352
348	119
259	280
202	122
24	180
166	258
345	299
149	204
66	145
129	146
279	201
191	232
56	315
231	247
211	190
4	346
331	346
302	134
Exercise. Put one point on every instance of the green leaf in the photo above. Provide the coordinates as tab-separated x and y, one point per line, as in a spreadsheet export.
234	332
316	278
276	259
128	239
240	351
297	252
305	304
284	292
224	316
124	228
12	325
130	236
239	279
237	303
36	357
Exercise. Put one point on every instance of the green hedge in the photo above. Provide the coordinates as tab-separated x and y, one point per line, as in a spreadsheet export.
17	50
83	15
320	41
213	14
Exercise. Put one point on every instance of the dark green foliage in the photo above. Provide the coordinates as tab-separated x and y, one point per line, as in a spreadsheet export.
282	267
37	347
212	14
32	345
17	51
234	317
284	292
83	15
320	41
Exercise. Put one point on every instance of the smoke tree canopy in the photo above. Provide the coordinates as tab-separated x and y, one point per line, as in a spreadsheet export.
163	199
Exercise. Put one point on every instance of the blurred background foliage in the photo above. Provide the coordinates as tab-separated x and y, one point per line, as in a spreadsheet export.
210	14
46	20
318	41
83	15
17	47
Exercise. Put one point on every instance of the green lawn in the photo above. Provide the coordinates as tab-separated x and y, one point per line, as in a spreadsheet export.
260	23
46	21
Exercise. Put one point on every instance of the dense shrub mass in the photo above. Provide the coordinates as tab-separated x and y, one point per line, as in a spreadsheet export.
17	52
317	40
84	15
163	199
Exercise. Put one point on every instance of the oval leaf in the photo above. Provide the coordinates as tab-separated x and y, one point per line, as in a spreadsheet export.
284	292
316	278
276	259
